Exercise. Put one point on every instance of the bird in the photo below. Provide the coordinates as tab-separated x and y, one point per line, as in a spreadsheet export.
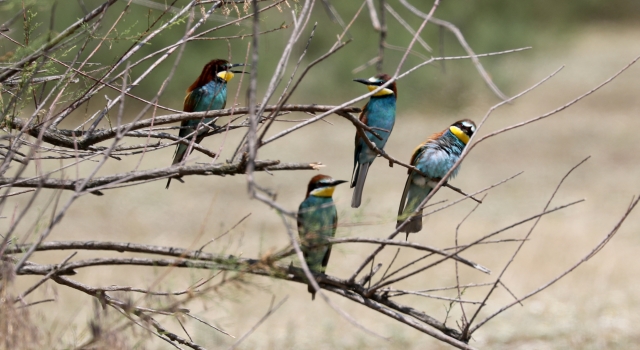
434	158
208	92
379	113
317	220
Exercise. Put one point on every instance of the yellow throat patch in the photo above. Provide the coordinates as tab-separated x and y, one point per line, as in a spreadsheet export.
382	92
459	134
226	75
323	192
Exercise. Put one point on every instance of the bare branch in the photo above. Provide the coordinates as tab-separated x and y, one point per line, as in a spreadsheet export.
105	182
272	309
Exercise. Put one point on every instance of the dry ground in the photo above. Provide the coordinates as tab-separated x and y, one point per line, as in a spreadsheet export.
596	307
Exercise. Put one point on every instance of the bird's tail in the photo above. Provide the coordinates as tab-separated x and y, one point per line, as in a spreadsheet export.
177	158
358	183
414	225
413	196
312	291
180	152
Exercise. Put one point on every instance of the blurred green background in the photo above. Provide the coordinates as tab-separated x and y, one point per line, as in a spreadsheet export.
488	25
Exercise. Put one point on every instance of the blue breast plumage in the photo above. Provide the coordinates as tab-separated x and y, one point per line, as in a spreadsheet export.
208	97
317	220
380	114
434	158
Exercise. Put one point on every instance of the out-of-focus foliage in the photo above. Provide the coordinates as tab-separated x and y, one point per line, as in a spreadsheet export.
488	25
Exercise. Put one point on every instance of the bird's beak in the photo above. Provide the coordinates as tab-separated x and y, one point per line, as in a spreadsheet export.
363	81
337	182
238	65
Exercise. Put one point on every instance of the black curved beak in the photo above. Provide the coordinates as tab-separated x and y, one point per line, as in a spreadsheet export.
337	182
363	81
237	65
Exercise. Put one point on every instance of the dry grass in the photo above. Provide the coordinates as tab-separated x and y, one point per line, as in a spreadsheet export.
595	307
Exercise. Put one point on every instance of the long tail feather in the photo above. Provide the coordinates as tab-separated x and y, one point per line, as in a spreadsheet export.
179	155
403	199
177	158
411	198
354	175
359	185
312	291
413	226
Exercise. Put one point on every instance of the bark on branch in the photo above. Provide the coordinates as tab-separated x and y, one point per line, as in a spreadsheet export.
155	174
83	140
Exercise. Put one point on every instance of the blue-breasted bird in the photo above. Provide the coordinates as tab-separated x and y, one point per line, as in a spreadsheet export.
208	92
434	157
317	221
379	113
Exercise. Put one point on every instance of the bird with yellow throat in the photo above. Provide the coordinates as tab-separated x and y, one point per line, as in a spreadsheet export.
380	115
434	158
208	92
317	221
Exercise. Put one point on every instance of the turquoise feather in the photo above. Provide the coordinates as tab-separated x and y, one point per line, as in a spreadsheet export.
434	158
209	97
317	221
208	92
379	114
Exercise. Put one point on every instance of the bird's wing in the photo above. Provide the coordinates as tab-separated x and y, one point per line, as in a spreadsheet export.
334	225
405	193
363	118
192	100
414	157
301	229
363	115
417	153
325	259
300	219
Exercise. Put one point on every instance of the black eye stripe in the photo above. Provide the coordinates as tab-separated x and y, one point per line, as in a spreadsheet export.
320	184
468	130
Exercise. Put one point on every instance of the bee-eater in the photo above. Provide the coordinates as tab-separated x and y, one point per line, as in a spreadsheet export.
380	114
208	92
317	221
434	157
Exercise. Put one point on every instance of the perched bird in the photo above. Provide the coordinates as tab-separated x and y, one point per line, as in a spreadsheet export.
434	157
379	113
317	221
208	92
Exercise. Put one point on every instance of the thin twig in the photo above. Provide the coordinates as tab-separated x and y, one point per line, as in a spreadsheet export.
271	311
